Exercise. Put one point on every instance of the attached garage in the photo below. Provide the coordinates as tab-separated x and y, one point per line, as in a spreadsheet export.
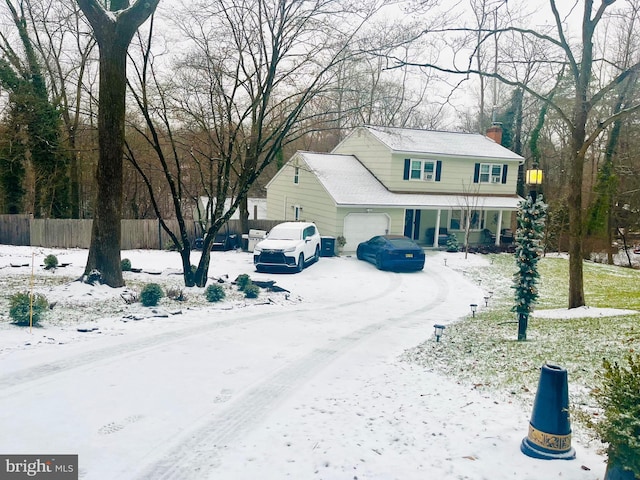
359	227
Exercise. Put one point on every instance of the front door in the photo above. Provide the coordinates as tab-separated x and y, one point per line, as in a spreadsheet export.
412	224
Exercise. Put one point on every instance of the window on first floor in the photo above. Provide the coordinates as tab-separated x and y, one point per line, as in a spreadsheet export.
460	217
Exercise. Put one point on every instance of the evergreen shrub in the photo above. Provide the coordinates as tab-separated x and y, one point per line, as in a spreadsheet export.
214	293
20	305
151	294
50	262
251	290
619	398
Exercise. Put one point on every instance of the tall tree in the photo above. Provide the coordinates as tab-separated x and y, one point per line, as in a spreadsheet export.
62	39
22	74
113	30
586	114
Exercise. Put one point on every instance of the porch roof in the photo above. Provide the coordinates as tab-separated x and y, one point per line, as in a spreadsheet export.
350	184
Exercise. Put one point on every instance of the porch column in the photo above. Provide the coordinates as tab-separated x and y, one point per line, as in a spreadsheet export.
499	228
437	231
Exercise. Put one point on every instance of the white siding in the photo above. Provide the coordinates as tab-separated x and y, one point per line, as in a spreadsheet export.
283	194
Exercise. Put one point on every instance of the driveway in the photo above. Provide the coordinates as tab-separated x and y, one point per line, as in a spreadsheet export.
307	385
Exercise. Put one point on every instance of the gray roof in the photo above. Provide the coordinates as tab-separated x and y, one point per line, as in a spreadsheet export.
456	144
349	183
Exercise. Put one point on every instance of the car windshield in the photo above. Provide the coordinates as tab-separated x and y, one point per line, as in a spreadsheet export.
402	243
285	233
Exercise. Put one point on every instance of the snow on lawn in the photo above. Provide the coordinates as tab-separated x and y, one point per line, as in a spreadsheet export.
305	383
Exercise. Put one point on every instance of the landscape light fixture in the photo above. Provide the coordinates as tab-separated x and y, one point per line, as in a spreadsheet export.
438	331
474	307
486	301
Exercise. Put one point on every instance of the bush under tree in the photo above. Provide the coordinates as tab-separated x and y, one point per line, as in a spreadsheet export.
125	265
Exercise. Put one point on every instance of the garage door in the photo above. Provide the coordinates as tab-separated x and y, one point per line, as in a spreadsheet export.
359	227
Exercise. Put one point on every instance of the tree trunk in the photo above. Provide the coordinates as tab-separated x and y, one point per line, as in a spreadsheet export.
104	252
576	221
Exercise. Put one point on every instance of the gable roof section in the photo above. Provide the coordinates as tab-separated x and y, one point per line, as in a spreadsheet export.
456	144
350	184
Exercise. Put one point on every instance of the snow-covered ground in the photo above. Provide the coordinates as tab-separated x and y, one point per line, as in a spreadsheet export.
301	384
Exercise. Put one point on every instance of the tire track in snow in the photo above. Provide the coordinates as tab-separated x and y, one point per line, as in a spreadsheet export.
191	457
47	371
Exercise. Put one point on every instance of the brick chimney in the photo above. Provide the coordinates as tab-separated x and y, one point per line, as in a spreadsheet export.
494	132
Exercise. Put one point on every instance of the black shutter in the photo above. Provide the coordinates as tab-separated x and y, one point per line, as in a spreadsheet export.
504	173
407	166
476	174
438	170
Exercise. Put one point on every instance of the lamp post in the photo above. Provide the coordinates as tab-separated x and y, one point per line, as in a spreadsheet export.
531	215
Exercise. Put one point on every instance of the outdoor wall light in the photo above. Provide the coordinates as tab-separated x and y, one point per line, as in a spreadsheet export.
438	331
474	307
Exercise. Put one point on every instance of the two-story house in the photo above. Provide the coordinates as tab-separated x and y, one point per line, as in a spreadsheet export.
401	181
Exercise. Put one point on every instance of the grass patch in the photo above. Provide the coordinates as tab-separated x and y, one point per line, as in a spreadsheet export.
483	351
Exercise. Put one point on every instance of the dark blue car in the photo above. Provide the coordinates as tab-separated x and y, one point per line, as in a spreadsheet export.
392	252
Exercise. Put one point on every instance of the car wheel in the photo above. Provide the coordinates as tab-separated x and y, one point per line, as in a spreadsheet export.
300	262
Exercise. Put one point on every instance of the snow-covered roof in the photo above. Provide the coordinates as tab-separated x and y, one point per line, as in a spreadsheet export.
349	183
457	144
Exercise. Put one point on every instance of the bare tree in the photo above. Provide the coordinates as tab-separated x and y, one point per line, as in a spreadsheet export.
113	30
240	94
64	43
586	111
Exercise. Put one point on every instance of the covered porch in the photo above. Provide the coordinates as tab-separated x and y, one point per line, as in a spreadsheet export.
487	219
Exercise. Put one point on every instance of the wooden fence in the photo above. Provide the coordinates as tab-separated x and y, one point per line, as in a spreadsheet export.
70	233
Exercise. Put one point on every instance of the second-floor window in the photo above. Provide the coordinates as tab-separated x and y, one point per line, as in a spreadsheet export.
296	175
490	173
422	170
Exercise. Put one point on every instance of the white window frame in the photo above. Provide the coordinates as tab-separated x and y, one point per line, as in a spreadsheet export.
490	173
463	212
297	212
296	175
417	170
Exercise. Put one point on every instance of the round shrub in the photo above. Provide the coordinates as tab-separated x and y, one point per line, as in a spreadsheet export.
242	281
125	265
214	293
50	262
251	290
151	294
20	305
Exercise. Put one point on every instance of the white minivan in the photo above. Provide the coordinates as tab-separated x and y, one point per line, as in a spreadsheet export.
289	245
